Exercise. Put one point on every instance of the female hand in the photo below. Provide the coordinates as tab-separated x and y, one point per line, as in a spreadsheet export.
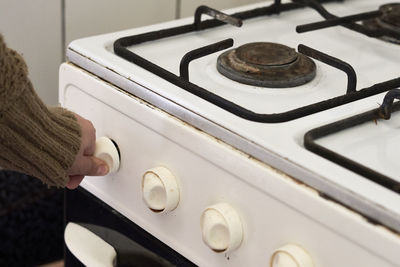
85	163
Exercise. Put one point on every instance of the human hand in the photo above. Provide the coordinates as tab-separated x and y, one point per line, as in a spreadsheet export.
85	163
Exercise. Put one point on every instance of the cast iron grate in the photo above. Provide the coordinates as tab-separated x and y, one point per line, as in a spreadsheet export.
383	112
182	81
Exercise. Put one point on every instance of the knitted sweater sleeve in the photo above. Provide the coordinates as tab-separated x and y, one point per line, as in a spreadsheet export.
34	139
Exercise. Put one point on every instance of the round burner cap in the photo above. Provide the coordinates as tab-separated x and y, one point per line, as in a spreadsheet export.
391	14
389	20
266	54
266	65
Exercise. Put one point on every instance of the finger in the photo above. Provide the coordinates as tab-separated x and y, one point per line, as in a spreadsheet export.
91	166
90	146
74	181
88	135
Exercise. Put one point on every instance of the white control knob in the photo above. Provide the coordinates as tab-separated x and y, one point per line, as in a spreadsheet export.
107	151
221	227
291	255
160	190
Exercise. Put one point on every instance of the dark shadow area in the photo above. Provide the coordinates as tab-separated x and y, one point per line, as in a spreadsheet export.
31	221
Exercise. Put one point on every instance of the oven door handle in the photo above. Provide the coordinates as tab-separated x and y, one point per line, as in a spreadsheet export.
95	245
88	248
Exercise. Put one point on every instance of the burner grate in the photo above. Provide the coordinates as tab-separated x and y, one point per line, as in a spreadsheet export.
382	23
120	48
383	112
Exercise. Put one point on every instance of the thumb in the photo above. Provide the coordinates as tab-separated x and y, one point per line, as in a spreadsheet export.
91	166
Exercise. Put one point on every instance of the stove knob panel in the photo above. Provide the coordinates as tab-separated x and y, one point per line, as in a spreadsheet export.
160	190
221	227
108	151
291	255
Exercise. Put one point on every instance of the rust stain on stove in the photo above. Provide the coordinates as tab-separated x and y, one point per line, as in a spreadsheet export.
238	64
367	219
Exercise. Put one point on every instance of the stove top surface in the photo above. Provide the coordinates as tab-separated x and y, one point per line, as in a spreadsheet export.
279	144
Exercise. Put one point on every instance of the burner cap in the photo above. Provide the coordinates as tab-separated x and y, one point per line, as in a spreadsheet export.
266	65
391	15
390	19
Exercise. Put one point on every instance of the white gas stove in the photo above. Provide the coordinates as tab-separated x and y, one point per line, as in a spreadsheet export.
229	140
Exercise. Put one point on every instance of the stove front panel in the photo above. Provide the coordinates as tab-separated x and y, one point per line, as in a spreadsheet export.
272	209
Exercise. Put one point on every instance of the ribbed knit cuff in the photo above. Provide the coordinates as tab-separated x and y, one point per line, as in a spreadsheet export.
37	140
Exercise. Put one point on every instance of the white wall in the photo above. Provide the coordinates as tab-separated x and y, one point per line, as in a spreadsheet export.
188	7
90	17
33	28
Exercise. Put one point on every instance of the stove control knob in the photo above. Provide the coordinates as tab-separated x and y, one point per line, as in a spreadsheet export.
291	255
221	227
108	151
160	190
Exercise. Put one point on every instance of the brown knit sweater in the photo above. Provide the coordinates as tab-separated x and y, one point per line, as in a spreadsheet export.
34	139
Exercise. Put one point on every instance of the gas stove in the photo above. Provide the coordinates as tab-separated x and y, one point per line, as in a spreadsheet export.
280	102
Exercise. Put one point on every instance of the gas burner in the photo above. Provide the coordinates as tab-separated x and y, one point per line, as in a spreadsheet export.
389	20
267	65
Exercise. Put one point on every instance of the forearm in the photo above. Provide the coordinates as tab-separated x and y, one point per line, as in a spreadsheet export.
34	139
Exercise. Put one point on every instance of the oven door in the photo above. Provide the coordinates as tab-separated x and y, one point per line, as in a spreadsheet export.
97	235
